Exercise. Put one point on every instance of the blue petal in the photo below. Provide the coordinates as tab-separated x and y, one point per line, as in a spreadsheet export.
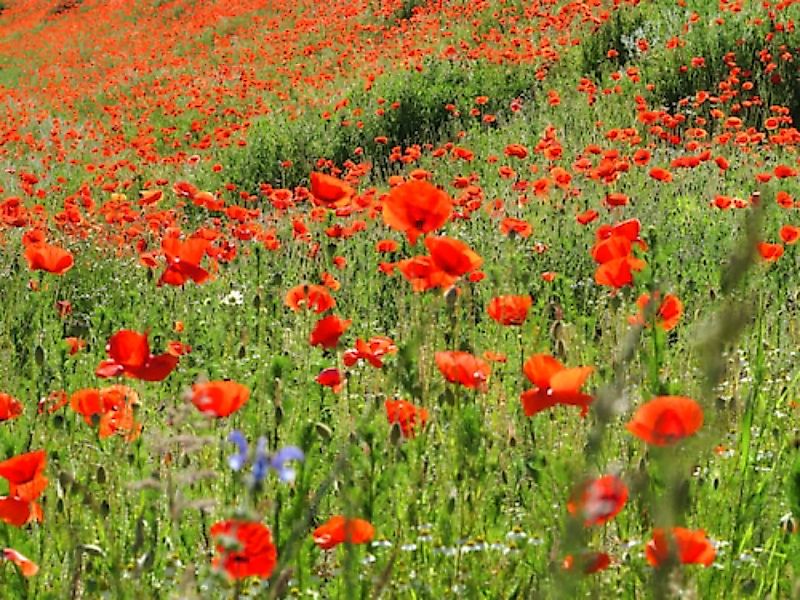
261	463
238	460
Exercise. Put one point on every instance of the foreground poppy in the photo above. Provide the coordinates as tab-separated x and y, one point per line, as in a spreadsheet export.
219	398
509	310
339	530
26	566
598	501
372	351
244	549
10	407
130	356
328	330
406	415
26	483
666	420
452	256
416	208
554	384
44	257
463	368
689	547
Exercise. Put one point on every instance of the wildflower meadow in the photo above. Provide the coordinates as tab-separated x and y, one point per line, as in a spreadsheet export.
399	299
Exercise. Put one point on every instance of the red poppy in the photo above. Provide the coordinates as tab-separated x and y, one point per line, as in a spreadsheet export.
44	257
509	310
75	345
329	191
588	562
667	316
790	234
332	378
219	398
339	530
666	419
183	261
328	330
372	351
770	252
313	297
598	501
111	408
463	368
130	355
587	216
688	546
422	274
26	566
10	407
517	226
244	549
415	208
24	475
661	174
18	512
554	384
408	416
452	256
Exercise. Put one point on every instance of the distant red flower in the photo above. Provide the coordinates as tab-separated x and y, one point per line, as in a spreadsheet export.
312	297
463	368
587	216
661	174
329	191
372	351
75	345
244	549
509	310
416	208
598	501
130	355
328	330
665	420
44	257
554	384
517	226
339	530
409	417
219	398
689	547
668	313
588	562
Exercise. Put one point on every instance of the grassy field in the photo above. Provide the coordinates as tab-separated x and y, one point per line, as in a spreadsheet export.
233	228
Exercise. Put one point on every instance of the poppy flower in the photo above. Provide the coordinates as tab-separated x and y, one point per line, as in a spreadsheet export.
44	257
244	549
219	398
665	420
667	316
329	191
18	512
339	530
588	562
130	356
661	174
328	330
26	483
75	345
422	274
416	208
372	351
26	566
10	407
452	256
554	384
463	368
312	297
517	226
406	415
183	261
790	234
587	216
598	501
332	378
110	408
509	310
689	547
770	252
